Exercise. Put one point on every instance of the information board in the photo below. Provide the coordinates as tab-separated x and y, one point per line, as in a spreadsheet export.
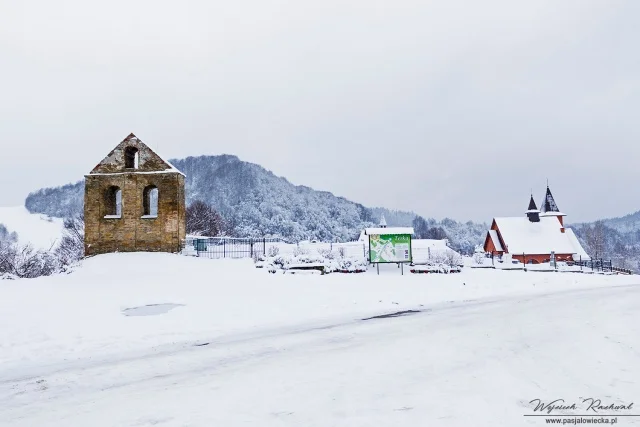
389	248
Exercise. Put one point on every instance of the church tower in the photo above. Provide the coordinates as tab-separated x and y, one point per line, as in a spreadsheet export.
134	201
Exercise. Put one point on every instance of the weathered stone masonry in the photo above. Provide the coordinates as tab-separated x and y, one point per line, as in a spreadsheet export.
132	169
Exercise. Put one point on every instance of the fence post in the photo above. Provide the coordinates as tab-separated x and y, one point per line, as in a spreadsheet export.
251	250
224	249
264	246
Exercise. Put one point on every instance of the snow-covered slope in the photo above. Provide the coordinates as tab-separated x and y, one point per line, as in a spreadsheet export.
40	231
157	339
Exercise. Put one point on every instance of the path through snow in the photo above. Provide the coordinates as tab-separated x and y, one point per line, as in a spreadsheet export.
465	364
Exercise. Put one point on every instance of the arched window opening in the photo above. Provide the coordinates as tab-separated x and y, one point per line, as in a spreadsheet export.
150	202
131	157
113	202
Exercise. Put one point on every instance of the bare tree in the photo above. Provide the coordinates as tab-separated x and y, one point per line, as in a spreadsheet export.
595	238
204	220
71	247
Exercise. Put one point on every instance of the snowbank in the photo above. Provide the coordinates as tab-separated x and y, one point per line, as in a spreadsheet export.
326	259
48	322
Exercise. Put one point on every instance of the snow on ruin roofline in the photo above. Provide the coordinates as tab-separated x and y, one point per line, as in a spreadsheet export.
389	230
172	167
171	170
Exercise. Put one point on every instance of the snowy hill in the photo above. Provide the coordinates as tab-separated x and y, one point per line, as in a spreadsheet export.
250	348
259	203
38	230
613	238
625	224
61	202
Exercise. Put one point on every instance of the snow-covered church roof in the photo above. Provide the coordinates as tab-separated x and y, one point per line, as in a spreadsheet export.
493	234
522	236
579	253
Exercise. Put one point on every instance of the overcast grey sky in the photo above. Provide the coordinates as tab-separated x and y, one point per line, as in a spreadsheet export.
446	108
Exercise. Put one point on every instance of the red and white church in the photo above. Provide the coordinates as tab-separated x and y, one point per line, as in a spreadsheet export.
531	239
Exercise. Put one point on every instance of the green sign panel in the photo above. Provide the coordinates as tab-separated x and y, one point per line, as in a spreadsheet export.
390	248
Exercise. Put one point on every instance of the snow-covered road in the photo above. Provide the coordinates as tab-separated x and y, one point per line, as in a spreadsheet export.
476	363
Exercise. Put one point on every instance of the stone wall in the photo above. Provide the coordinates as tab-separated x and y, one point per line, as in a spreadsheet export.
132	232
149	161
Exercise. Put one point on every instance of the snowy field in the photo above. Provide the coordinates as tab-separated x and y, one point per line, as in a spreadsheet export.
166	340
39	231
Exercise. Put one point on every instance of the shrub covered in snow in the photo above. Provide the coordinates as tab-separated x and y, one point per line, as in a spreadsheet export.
445	258
352	265
23	261
332	260
478	258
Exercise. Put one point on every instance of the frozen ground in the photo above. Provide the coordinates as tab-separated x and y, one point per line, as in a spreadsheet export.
220	343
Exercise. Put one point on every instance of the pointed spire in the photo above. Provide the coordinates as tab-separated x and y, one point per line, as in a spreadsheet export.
548	203
532	212
383	222
550	208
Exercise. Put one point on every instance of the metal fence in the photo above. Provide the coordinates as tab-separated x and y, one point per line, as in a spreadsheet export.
591	265
230	247
226	247
602	265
